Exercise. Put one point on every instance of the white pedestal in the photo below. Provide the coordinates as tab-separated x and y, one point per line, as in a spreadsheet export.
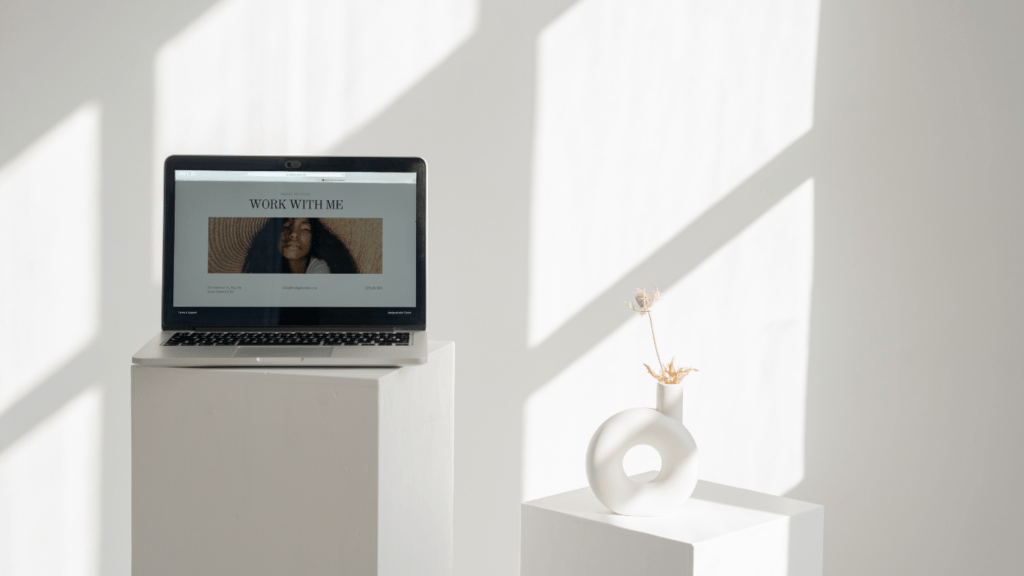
721	531
293	471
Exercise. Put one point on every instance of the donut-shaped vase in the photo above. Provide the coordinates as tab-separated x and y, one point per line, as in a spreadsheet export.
667	492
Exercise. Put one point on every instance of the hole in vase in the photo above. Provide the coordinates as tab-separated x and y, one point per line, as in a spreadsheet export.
641	463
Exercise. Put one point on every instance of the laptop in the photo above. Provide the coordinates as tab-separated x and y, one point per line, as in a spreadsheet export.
292	261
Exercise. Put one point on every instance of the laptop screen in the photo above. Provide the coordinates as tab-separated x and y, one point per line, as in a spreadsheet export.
291	247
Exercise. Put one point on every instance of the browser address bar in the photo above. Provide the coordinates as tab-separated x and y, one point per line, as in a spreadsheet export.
296	174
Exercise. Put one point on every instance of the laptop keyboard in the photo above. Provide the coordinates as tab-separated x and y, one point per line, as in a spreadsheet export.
289	339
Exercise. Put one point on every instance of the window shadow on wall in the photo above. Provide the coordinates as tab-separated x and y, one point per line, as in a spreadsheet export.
475	118
482	150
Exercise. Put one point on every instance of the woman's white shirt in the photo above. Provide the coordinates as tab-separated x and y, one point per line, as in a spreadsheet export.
317	266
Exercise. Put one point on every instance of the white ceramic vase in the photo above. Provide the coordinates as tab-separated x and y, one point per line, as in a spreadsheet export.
661	429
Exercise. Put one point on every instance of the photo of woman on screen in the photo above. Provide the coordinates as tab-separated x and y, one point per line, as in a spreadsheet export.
297	246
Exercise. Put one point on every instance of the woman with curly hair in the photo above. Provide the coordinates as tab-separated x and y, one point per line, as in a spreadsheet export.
297	246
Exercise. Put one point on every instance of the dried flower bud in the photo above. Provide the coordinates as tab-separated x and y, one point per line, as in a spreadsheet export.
643	301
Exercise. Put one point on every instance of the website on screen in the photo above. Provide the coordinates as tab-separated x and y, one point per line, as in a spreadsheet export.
294	239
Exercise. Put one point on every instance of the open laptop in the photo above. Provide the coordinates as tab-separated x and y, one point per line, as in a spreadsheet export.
297	261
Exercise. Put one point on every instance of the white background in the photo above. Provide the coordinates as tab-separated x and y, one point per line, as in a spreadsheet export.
829	195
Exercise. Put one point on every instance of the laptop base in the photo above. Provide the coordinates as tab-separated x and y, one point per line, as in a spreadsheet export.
153	354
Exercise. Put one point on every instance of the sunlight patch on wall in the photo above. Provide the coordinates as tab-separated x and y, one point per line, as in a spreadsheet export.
647	114
50	494
49	298
292	77
742	318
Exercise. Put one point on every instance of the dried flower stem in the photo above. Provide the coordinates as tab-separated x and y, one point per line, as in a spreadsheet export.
650	318
669	374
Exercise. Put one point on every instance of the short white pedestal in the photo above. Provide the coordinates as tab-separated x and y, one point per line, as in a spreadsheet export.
293	471
721	531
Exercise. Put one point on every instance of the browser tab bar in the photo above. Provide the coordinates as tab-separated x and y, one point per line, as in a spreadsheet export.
288	176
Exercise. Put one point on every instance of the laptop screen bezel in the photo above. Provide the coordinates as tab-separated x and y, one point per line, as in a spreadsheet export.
192	317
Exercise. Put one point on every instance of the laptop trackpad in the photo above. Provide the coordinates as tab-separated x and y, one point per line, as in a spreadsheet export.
283	351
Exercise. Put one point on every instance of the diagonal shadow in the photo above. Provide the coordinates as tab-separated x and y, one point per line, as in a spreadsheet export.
676	259
47	397
483	92
98	58
406	122
56	54
473	117
127	123
123	88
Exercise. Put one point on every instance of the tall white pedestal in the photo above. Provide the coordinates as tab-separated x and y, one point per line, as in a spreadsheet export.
721	531
293	471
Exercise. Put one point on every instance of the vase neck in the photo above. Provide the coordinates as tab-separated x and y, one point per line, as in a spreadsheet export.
670	400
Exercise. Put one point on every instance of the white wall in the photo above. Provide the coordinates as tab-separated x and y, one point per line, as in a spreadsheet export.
828	194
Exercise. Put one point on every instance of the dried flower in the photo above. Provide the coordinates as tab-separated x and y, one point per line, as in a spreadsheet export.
668	374
643	301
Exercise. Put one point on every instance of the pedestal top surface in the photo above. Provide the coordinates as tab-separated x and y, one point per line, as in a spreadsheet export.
354	373
713	511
